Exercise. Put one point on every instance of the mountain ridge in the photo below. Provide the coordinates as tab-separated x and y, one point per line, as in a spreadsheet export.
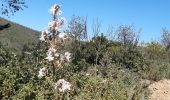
15	36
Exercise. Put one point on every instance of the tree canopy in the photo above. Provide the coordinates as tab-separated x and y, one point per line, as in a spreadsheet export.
12	6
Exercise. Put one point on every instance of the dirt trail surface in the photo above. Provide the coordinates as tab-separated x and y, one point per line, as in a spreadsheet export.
160	90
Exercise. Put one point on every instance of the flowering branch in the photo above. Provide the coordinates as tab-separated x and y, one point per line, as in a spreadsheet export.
54	39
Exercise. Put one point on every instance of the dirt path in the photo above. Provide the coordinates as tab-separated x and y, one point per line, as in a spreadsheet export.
160	90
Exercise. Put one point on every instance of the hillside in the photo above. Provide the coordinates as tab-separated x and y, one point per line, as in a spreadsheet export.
15	36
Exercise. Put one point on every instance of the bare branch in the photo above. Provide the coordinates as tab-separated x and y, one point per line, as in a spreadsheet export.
12	6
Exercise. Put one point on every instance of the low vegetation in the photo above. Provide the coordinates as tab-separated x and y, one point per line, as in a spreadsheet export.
100	68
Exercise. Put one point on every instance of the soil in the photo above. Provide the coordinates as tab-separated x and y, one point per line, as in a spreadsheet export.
160	90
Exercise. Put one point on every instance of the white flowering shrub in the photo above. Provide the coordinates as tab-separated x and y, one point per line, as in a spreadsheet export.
42	72
54	39
62	85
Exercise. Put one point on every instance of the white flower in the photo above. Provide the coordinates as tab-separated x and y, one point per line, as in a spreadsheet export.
87	74
54	9
42	37
62	21
53	50
58	29
67	55
62	85
62	58
42	72
43	34
63	37
57	62
57	55
49	56
52	24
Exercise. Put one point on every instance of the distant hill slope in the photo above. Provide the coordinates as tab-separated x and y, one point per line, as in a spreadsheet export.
15	36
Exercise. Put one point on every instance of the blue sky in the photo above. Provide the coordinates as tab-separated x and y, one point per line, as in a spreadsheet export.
149	15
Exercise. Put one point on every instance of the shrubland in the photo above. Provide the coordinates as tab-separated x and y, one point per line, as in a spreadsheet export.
99	68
